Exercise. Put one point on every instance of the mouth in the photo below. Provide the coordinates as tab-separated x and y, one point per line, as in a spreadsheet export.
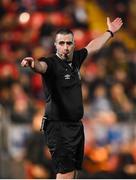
66	55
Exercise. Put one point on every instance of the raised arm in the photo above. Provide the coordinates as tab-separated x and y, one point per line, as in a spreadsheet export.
97	43
35	65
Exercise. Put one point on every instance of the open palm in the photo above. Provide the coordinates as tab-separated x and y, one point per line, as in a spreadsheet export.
114	25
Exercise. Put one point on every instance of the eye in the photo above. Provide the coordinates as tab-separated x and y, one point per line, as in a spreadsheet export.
69	43
61	43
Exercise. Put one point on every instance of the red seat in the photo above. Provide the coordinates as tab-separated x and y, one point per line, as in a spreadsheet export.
41	3
37	19
60	19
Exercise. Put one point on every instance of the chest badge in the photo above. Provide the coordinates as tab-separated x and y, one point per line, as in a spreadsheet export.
67	76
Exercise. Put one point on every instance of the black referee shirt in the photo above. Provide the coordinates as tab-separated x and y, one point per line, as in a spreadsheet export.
62	87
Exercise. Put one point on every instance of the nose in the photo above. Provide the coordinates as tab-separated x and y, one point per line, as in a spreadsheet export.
65	46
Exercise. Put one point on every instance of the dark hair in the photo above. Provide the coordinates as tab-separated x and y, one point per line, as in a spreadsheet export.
64	31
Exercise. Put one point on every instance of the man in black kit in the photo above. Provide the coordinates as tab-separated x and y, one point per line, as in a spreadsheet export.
64	110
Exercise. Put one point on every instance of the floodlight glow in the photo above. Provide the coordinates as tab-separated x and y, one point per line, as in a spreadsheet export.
24	17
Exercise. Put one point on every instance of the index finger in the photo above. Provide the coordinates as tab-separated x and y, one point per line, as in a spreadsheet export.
28	58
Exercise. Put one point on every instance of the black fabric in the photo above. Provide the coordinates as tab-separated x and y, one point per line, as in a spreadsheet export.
66	144
62	85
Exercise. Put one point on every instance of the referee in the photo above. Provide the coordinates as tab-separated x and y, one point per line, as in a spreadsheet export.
64	108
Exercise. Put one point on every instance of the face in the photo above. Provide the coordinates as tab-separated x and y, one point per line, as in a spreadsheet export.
64	46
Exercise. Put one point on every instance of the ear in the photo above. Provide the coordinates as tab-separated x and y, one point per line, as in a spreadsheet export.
55	44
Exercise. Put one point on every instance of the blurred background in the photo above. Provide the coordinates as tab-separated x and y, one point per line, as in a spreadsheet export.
108	84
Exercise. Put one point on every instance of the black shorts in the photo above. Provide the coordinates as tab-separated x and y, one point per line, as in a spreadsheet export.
66	144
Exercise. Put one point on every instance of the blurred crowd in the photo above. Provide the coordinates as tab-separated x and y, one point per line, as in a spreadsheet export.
108	85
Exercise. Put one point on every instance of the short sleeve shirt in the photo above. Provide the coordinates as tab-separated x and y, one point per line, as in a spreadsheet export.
62	87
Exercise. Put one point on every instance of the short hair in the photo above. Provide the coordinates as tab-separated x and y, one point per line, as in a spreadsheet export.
64	31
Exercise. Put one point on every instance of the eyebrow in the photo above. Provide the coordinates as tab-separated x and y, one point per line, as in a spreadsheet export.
67	42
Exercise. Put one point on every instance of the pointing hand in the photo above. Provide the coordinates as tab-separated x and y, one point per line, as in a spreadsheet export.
28	62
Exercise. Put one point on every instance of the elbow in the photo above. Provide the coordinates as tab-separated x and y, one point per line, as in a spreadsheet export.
92	50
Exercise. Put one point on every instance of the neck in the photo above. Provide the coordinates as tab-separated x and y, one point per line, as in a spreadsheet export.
59	56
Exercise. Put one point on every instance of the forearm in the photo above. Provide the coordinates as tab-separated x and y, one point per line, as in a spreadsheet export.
39	67
35	65
98	43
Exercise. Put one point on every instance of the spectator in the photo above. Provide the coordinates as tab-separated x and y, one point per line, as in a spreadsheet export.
37	159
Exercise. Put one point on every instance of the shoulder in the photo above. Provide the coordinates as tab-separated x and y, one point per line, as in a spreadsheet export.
49	62
49	58
79	52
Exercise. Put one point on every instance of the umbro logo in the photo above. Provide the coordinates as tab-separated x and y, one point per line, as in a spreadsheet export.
67	76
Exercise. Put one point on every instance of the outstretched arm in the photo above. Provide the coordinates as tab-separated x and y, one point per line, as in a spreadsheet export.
35	65
97	43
